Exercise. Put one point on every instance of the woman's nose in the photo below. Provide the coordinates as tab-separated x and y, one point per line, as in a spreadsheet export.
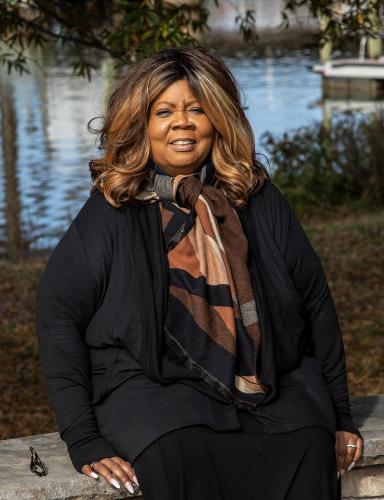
181	119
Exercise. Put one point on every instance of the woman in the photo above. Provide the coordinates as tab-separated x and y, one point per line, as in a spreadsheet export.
186	330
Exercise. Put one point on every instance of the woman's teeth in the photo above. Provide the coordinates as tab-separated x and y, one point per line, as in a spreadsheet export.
183	141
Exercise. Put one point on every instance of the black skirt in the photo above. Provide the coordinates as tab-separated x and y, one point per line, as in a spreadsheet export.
199	463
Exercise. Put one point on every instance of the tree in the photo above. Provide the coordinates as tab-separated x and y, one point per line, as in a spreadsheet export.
126	30
122	29
341	21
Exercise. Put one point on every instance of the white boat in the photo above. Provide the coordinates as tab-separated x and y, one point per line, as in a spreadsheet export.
372	69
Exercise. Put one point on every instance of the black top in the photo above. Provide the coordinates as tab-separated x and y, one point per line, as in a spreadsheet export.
100	307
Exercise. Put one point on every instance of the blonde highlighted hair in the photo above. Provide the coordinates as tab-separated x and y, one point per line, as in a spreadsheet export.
121	172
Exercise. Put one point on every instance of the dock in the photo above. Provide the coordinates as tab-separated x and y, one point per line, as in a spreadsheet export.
352	78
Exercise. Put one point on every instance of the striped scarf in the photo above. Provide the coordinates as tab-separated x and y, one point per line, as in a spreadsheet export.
211	323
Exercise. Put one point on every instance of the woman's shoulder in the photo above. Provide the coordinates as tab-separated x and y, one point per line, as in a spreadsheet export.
96	214
97	203
268	201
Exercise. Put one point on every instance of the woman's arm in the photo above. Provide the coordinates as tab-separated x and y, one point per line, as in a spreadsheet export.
66	299
309	278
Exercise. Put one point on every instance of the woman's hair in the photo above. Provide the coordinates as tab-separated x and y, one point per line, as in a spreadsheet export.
122	170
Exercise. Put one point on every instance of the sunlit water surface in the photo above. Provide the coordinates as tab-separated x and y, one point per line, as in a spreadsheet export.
45	179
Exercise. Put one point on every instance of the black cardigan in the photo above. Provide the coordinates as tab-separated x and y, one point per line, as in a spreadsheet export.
100	306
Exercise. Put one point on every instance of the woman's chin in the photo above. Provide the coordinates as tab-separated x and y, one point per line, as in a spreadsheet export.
181	167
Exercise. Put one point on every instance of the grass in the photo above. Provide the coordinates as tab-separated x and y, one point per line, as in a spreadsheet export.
351	245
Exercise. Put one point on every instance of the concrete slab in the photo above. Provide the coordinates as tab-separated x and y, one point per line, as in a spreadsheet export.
17	482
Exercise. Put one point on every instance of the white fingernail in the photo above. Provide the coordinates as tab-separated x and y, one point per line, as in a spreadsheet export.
115	483
135	479
351	465
129	487
342	472
93	474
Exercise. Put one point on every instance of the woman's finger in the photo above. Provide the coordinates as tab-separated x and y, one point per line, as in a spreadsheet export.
102	468
87	470
339	451
349	453
359	449
128	468
126	474
357	454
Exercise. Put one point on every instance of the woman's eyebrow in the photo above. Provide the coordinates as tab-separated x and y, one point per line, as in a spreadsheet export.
172	104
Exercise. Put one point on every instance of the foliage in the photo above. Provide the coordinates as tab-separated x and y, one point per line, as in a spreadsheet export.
326	165
344	20
126	30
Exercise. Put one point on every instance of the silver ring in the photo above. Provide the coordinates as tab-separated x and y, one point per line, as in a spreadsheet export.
93	463
352	445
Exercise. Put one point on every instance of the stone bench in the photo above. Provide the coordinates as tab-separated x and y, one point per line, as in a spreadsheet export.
365	481
17	482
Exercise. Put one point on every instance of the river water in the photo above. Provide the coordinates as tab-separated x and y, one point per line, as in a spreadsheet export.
46	147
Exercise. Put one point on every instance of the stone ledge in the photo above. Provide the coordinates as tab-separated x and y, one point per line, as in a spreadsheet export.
62	482
366	481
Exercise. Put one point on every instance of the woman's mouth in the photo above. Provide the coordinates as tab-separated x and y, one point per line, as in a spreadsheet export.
183	144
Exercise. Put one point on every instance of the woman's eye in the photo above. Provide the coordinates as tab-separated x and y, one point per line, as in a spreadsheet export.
197	110
163	112
167	112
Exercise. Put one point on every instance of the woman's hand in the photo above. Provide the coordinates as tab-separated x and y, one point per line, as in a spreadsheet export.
347	456
115	470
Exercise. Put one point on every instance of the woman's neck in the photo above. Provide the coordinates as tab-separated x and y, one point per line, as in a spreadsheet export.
154	166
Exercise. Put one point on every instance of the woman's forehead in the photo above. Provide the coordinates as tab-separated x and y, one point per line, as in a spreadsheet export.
174	102
177	92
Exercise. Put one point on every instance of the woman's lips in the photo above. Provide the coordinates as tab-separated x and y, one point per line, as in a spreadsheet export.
183	147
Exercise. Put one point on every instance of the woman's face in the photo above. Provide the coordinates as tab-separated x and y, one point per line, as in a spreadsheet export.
180	133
